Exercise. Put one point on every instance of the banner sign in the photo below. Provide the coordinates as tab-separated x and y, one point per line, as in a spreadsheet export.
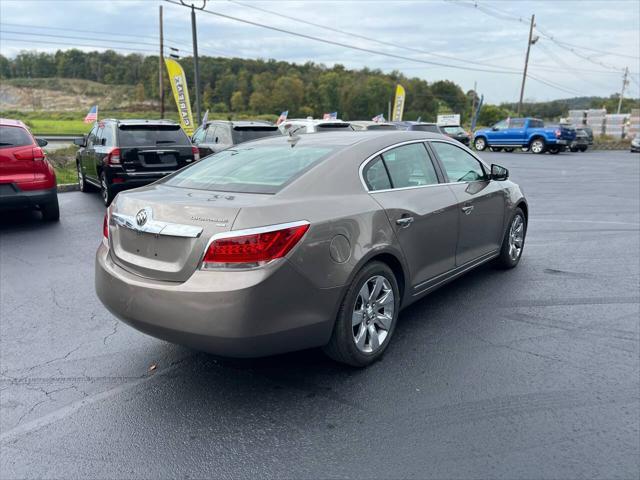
398	105
449	119
181	94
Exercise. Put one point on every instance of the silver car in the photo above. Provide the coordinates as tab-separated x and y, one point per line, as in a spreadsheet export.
295	242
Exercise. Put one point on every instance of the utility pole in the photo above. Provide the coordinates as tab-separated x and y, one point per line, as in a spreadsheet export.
161	68
625	82
473	100
196	69
526	62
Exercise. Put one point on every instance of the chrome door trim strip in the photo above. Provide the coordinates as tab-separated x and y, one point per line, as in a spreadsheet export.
156	227
453	273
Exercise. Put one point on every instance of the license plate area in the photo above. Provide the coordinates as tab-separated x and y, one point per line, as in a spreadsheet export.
156	159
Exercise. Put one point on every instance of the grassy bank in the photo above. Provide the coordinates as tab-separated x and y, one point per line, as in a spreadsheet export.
64	163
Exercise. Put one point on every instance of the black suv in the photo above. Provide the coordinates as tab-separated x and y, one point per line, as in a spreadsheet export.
217	135
121	154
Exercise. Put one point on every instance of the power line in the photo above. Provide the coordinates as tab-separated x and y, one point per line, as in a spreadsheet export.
491	11
345	45
357	35
120	34
106	47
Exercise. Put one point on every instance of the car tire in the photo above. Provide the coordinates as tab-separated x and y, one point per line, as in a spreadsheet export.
496	149
106	190
82	183
480	144
508	257
583	149
574	149
538	145
51	211
362	343
554	150
509	150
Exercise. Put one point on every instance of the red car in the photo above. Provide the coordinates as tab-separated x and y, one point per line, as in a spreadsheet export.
27	179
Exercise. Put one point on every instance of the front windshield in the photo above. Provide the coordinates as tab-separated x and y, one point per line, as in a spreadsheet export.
255	169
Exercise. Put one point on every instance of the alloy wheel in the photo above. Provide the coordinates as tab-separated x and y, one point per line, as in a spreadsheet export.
372	315
516	237
104	188
80	178
479	144
537	146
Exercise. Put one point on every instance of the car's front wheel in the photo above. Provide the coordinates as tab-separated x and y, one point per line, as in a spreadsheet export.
480	144
513	241
367	317
82	182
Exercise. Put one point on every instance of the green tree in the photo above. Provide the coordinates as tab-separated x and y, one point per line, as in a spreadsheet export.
237	102
140	92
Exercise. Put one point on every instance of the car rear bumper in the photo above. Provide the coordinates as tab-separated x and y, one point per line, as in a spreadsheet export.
239	314
11	196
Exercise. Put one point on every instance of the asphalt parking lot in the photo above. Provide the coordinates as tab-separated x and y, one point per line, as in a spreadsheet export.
529	373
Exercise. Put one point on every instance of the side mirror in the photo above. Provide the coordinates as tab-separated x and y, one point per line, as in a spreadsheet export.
81	142
41	142
495	129
499	173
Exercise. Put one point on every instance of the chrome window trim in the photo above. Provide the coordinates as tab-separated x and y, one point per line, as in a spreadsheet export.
469	151
247	231
408	142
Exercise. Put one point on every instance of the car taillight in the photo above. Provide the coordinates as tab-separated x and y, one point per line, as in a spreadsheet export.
38	153
113	157
105	229
558	133
253	247
196	153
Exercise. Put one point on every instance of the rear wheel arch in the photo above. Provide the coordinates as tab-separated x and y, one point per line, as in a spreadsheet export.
390	258
536	137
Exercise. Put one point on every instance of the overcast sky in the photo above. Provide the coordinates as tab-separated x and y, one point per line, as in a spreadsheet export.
605	36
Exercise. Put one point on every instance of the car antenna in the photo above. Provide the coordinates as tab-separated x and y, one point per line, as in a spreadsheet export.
293	138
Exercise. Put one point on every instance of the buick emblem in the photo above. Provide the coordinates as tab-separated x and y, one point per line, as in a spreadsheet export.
141	217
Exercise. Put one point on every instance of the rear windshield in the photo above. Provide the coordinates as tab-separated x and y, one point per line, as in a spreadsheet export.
426	128
453	130
250	169
151	135
14	137
245	134
324	127
381	127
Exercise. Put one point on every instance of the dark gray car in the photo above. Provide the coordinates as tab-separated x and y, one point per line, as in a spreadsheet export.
296	242
220	134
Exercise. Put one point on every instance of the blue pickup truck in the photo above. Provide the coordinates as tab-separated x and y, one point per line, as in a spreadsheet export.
527	133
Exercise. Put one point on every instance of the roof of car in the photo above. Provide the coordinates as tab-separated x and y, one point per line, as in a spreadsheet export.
138	121
243	123
413	122
368	122
347	138
11	122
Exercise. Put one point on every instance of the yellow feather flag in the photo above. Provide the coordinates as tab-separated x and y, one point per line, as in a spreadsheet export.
398	105
181	94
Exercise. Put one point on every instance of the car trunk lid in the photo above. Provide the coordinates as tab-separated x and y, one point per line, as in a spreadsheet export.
161	232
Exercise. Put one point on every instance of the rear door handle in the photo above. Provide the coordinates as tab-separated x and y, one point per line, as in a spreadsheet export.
467	209
404	221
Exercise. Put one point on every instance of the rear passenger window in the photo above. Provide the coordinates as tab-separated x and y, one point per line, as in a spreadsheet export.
516	123
375	175
410	166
